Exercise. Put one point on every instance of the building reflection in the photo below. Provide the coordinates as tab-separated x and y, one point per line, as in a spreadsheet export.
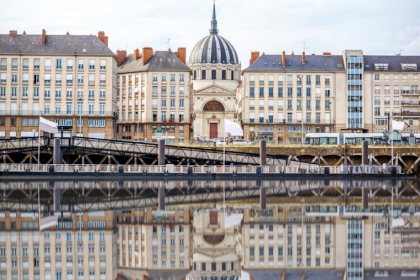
308	230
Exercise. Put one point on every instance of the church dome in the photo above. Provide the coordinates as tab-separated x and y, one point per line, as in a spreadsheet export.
214	48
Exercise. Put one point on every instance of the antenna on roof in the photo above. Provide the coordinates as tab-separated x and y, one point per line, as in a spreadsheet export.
167	43
401	50
304	46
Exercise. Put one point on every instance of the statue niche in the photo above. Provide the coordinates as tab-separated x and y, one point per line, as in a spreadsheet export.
214	106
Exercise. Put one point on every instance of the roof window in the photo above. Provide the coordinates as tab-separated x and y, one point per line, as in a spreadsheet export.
381	66
409	66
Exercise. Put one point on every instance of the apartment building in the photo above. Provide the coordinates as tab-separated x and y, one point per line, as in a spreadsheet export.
151	242
283	238
283	97
153	94
68	79
80	246
391	84
331	241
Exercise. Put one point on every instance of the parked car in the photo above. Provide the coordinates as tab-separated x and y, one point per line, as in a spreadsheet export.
241	142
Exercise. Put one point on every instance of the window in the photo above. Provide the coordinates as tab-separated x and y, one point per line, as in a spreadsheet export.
261	251
251	251
376	77
58	64
377	111
280	92
261	92
81	64
317	79
251	91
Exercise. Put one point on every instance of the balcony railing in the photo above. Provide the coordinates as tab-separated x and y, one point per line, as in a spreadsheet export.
55	114
287	121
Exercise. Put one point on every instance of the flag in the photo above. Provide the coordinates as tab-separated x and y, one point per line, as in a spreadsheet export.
48	126
233	128
396	125
48	222
233	220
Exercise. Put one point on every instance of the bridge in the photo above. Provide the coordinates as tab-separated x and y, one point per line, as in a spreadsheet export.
80	150
98	195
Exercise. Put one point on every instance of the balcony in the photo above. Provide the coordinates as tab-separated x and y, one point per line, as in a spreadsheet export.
69	82
102	82
3	67
409	114
405	91
47	68
91	83
47	82
58	82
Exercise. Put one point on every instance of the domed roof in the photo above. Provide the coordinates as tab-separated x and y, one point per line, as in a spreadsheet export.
214	48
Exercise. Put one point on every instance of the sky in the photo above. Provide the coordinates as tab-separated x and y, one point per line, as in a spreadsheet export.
383	27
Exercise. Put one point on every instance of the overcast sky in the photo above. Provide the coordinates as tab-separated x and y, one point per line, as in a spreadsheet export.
270	26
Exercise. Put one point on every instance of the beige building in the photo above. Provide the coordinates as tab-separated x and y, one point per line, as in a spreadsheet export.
153	94
283	97
281	238
391	85
330	241
79	247
151	242
68	79
216	76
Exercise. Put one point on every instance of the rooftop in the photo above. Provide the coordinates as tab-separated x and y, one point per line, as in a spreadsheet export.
54	44
160	61
391	63
317	63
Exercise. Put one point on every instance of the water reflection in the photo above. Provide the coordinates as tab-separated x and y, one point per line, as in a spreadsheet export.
209	229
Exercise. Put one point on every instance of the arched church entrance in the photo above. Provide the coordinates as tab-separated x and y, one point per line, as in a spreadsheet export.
215	107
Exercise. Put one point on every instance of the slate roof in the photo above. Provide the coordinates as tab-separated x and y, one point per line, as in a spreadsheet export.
160	61
314	63
394	62
297	274
393	274
54	44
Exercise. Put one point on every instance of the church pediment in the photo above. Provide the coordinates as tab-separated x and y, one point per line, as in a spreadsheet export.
214	90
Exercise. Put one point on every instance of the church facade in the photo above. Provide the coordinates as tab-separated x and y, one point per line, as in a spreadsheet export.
216	74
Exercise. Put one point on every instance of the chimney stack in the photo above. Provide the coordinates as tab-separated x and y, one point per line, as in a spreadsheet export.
284	277
121	54
303	58
326	53
13	33
147	53
254	56
101	36
283	58
136	54
44	36
182	54
24	32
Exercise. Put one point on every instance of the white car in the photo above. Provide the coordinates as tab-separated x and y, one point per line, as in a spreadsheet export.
241	142
220	142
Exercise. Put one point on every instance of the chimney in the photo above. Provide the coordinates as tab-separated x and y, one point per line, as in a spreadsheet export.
44	36
283	277
254	56
303	58
182	54
101	36
326	53
283	58
136	54
303	277
13	33
24	32
67	33
121	54
147	53
106	41
293	53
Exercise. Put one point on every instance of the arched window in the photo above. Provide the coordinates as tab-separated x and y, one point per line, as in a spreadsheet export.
214	106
